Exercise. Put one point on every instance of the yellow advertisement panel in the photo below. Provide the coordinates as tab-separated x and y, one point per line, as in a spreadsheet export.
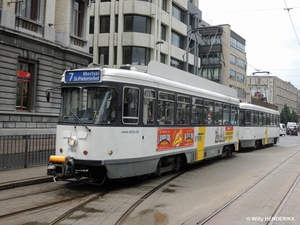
266	136
200	139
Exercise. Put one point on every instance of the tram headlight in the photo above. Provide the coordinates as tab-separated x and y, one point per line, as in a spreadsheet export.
72	141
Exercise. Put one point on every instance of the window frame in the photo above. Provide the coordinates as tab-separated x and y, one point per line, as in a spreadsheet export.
132	119
78	18
31	86
104	24
134	23
149	106
133	53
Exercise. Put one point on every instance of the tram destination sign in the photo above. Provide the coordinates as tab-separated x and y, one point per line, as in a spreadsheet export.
82	76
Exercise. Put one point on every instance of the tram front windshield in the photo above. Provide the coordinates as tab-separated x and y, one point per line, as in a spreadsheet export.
91	105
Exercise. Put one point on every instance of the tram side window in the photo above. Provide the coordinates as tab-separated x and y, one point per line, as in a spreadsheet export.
208	112
272	120
166	102
248	118
268	122
149	106
255	117
183	109
197	111
242	118
264	122
242	121
131	105
218	113
260	118
234	115
226	114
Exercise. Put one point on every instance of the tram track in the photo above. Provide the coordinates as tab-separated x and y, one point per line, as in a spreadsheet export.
63	192
129	210
237	197
284	200
38	207
70	205
68	185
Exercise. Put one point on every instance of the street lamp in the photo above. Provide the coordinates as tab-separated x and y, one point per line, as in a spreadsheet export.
159	43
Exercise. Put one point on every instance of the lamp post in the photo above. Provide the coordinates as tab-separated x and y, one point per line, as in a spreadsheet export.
159	43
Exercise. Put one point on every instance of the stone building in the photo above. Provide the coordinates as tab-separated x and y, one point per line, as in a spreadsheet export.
171	32
135	32
39	39
223	57
273	90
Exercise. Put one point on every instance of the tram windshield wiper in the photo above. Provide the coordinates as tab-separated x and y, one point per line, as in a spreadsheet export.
79	120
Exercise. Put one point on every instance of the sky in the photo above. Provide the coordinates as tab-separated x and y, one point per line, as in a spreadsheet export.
272	33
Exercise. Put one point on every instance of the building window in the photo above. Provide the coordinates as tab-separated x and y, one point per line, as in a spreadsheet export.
135	23
162	58
104	24
236	44
232	75
232	42
24	86
210	58
164	5
115	55
240	78
177	13
78	18
232	59
136	55
91	50
31	9
92	24
241	64
177	40
210	40
105	52
163	33
213	74
176	63
116	23
241	93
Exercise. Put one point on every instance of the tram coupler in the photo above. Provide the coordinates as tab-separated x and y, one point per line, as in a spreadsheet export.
61	167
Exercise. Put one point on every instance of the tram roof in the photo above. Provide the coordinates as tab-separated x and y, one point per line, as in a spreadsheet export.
249	106
162	70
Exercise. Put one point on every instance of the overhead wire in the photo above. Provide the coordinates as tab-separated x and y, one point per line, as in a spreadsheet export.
288	10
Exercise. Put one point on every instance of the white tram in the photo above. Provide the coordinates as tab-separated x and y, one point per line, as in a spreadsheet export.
259	126
119	123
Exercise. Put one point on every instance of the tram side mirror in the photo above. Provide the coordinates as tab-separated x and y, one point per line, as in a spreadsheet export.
129	97
48	96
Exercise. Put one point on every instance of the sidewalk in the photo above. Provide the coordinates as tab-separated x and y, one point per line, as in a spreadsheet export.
24	176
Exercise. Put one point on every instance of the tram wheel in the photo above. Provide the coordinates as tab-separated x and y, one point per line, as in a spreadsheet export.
257	145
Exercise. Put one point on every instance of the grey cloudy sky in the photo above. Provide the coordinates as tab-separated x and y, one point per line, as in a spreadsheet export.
271	31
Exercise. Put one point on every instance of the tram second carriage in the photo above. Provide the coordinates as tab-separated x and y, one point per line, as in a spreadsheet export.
258	126
119	123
